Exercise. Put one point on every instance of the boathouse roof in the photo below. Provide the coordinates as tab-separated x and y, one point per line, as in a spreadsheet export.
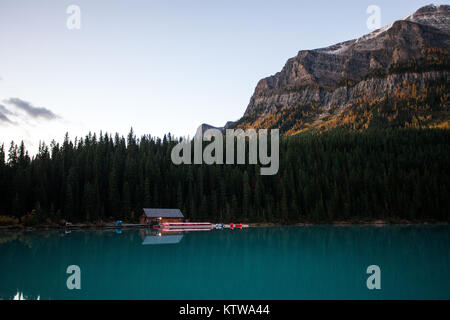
163	213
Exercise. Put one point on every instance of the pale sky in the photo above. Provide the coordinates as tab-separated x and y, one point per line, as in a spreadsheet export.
156	66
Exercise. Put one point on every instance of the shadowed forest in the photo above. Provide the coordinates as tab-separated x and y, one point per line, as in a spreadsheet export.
389	174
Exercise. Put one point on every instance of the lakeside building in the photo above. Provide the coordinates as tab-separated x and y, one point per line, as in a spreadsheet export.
153	216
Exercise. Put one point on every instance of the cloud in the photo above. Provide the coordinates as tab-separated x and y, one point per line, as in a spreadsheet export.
32	111
4	110
4	118
4	114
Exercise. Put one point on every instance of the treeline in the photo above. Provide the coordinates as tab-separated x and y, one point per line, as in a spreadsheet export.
336	175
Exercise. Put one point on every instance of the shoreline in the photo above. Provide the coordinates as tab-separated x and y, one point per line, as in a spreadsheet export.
350	223
106	226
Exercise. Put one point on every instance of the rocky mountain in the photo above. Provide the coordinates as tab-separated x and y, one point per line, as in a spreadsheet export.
394	76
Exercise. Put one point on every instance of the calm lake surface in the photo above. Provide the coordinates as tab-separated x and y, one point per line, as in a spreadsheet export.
318	262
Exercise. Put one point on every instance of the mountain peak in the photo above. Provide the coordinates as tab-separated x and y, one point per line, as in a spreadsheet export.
403	61
437	16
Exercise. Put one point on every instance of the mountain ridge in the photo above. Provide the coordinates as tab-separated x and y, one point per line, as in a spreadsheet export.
393	76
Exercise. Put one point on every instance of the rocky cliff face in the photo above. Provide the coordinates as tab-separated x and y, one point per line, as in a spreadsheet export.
394	76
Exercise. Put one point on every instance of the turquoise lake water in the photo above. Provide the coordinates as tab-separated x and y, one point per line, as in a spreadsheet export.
317	262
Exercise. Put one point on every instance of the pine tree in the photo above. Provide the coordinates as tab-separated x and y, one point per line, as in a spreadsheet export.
179	196
126	201
246	196
147	193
